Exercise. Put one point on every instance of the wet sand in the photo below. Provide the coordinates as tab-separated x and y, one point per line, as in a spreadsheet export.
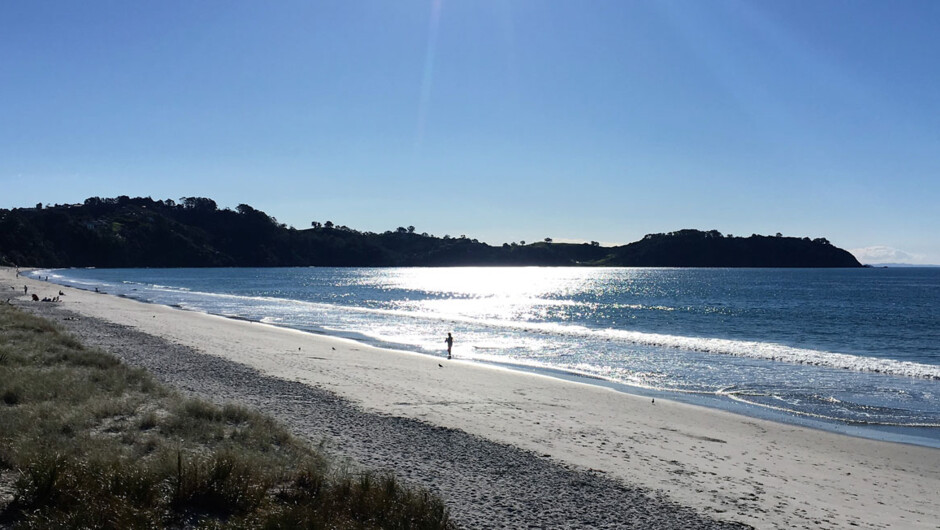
510	449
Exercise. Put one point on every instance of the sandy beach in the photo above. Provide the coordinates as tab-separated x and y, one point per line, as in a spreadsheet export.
510	449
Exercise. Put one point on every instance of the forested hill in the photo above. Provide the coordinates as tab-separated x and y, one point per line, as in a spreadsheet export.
694	248
194	232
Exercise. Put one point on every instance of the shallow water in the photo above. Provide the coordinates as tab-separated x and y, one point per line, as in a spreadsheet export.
852	350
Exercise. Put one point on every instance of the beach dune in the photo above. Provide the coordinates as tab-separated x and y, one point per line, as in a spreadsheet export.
720	465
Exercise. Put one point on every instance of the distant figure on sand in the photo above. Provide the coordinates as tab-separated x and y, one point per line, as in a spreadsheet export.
25	290
450	344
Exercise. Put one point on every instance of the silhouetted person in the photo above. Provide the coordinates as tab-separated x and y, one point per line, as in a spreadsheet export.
450	344
25	290
35	298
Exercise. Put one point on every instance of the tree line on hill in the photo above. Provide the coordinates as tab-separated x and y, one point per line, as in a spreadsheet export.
195	232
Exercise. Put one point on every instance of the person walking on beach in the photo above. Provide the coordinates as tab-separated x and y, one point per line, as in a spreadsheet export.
25	290
450	344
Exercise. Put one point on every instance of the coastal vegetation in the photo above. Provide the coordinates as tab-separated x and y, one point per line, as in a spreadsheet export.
88	442
195	232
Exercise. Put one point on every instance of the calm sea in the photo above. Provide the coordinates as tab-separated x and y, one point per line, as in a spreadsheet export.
850	350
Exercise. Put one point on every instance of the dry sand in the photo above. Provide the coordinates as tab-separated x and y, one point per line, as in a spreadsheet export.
565	454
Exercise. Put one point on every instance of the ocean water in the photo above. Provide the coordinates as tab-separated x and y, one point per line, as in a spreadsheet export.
850	350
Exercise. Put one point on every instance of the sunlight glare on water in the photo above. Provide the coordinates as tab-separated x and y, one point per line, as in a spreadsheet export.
530	294
513	283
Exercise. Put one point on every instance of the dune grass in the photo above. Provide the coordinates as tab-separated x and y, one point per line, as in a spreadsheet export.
87	442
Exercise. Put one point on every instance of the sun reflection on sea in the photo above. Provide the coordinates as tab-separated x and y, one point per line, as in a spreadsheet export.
491	282
489	293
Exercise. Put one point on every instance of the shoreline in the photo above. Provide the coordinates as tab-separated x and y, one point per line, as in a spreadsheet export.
900	434
724	465
916	435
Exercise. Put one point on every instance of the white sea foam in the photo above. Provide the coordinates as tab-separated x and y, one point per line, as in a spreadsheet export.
743	398
67	280
779	352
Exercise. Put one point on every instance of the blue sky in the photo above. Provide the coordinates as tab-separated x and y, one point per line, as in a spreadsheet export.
502	120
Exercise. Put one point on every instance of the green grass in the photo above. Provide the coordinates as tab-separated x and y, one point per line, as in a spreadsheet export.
87	442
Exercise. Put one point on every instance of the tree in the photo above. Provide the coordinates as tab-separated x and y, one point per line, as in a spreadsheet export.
411	229
316	224
198	203
548	240
522	242
595	244
328	225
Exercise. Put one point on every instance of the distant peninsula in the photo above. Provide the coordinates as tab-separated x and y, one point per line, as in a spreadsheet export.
195	232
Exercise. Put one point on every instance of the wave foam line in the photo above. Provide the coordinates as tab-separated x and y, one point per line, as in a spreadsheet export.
778	352
738	348
738	398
